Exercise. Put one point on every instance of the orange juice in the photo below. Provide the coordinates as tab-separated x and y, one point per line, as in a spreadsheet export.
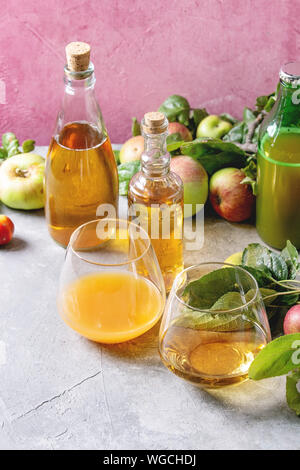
111	307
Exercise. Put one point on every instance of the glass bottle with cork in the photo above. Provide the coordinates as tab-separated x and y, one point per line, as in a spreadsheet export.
81	172
278	165
155	197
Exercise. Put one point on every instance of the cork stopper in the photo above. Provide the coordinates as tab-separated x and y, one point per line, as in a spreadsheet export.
78	56
155	123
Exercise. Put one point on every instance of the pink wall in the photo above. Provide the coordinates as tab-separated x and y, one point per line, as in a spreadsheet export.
218	53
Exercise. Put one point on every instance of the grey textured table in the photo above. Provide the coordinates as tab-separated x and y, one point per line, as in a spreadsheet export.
61	391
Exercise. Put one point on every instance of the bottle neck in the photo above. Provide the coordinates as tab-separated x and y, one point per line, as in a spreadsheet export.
79	84
79	101
155	158
288	104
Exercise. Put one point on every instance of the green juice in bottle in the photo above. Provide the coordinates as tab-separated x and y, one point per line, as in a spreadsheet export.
278	165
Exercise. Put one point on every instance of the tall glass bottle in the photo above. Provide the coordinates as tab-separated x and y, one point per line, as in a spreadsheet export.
81	172
155	196
278	178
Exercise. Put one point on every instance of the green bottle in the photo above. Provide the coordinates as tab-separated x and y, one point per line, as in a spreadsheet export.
278	165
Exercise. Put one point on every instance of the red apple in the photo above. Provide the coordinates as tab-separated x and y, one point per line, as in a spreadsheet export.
194	178
6	229
291	322
177	128
231	199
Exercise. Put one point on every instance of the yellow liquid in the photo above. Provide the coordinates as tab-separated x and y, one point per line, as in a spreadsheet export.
211	359
81	174
169	250
111	307
278	190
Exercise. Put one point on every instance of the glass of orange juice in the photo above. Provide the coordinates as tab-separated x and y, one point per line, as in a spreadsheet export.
111	287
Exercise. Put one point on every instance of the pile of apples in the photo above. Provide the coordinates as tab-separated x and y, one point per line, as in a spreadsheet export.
230	199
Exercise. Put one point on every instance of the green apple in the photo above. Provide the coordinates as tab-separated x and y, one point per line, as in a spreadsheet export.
21	181
194	178
235	258
214	127
132	149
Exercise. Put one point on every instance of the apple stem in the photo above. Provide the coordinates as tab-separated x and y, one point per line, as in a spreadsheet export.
21	173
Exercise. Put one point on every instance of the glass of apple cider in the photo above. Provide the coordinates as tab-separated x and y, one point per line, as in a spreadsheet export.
214	325
111	287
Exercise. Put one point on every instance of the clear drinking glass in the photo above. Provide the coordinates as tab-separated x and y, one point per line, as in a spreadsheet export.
214	325
111	287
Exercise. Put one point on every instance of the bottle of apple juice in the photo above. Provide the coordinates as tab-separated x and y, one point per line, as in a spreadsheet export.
278	165
155	198
81	172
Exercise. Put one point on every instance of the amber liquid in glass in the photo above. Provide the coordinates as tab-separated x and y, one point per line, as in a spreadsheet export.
169	250
81	174
211	359
94	306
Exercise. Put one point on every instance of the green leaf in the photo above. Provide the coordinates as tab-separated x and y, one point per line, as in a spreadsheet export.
255	256
28	145
135	127
176	137
205	321
252	183
13	148
174	142
3	154
279	357
290	255
176	108
219	292
229	301
117	156
174	145
261	102
250	176
197	115
126	172
248	115
289	299
204	145
278	266
260	257
10	144
266	293
7	138
251	170
223	321
293	391
214	154
262	275
237	133
204	292
270	103
229	118
266	102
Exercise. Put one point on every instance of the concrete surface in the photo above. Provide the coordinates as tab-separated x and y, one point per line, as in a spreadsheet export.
61	391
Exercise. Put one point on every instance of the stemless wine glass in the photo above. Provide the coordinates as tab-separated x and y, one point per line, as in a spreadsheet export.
111	287
214	325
